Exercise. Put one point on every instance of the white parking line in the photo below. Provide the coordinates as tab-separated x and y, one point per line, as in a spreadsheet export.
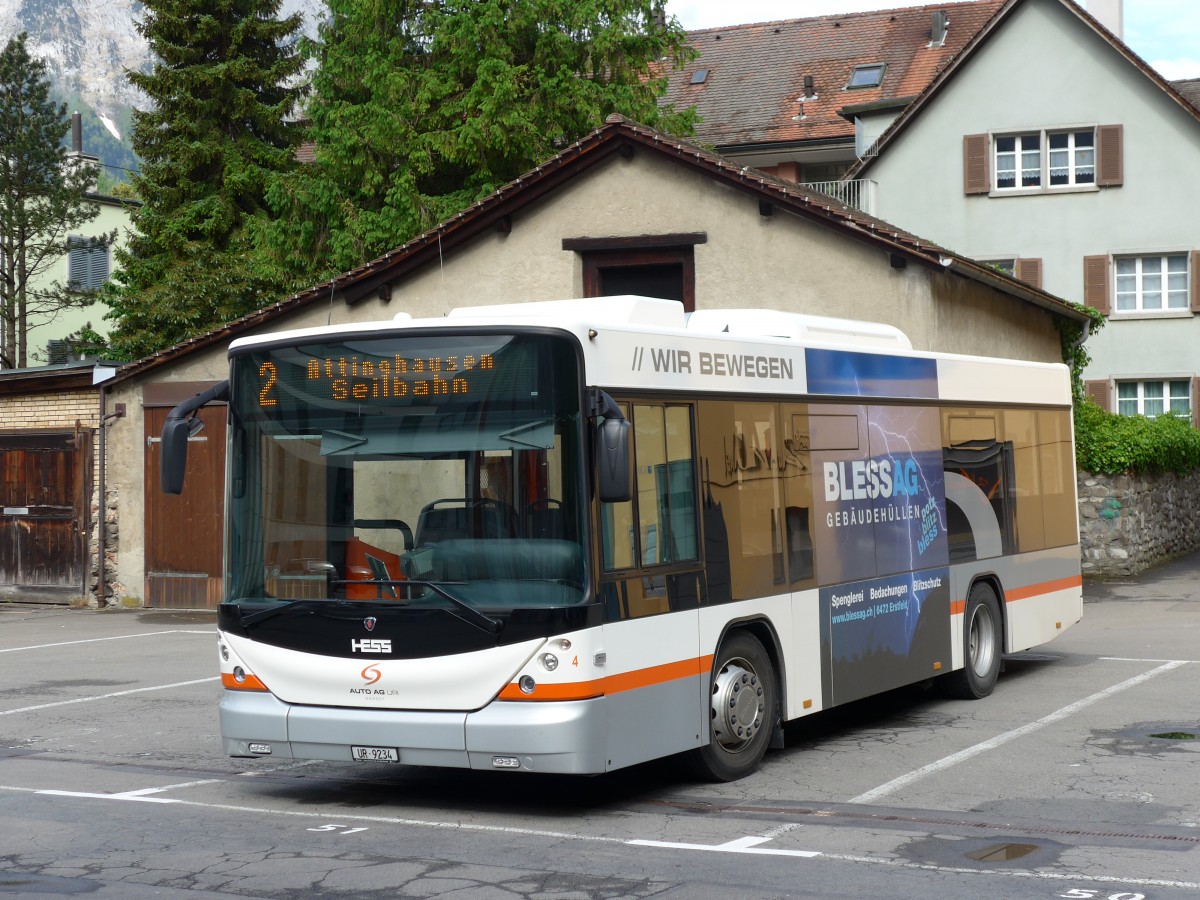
749	844
738	845
955	758
157	687
118	637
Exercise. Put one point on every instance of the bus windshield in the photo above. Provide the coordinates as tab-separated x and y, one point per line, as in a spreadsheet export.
425	469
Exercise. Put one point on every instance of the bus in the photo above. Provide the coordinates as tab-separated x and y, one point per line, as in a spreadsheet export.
573	536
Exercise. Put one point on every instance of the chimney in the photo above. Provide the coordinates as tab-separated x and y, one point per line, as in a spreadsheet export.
938	28
77	157
808	87
1110	14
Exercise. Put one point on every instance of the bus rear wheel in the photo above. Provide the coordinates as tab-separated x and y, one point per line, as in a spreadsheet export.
743	710
983	644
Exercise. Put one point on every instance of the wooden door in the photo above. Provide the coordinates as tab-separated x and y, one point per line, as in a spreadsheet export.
184	533
45	480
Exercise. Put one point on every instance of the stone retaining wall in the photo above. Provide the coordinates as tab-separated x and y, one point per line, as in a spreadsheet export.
1130	522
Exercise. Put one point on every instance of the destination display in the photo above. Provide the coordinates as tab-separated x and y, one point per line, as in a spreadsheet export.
391	371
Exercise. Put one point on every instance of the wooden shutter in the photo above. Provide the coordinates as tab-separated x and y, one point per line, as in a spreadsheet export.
1095	283
1194	276
1029	271
977	178
1110	156
1098	391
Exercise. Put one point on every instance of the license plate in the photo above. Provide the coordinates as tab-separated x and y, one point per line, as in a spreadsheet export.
375	754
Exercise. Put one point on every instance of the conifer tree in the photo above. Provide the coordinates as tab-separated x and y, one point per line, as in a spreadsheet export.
223	85
421	107
42	199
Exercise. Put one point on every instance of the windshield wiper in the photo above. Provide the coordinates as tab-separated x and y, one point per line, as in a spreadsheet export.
462	609
291	606
465	610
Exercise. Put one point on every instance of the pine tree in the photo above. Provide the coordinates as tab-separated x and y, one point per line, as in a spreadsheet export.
42	199
222	87
421	107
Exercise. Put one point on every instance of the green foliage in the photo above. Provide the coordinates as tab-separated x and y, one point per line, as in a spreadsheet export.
1074	351
222	87
42	202
421	108
1109	444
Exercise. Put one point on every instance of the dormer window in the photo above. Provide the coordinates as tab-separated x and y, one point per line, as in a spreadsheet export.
866	76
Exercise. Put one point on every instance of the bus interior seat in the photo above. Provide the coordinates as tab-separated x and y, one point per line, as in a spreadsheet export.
544	519
466	518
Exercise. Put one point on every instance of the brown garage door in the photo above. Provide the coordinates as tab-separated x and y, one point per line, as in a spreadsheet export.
183	533
45	478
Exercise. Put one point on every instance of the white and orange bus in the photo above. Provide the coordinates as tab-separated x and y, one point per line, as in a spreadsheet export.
574	536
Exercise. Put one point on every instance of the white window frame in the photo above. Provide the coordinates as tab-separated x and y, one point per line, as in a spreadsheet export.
1153	397
1031	160
1135	287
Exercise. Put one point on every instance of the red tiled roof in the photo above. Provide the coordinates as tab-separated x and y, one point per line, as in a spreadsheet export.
756	72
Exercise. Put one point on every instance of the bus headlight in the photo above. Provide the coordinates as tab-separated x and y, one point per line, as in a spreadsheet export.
527	684
549	662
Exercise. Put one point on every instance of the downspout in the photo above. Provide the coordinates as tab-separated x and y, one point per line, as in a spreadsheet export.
101	374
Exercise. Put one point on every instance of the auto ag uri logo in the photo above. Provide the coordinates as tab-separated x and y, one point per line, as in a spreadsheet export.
371	674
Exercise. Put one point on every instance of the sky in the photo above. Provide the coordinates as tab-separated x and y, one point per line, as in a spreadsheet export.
1165	33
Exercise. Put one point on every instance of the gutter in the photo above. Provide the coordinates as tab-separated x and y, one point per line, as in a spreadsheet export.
1033	295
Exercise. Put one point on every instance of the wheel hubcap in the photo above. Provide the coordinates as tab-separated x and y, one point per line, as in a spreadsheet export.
738	704
982	640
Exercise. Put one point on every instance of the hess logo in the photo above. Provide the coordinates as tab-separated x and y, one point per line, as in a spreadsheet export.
371	645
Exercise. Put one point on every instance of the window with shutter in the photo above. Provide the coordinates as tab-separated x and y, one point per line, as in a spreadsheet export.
1151	283
1029	270
976	178
1048	160
1194	276
87	263
1095	283
1097	392
1110	156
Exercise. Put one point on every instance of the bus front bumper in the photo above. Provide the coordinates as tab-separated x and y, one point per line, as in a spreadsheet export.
564	737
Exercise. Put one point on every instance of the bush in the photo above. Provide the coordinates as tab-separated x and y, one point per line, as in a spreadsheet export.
1109	444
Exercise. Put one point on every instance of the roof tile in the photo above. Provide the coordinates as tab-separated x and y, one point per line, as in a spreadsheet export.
756	72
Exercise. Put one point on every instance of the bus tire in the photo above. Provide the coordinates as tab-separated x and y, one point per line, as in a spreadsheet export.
983	645
743	710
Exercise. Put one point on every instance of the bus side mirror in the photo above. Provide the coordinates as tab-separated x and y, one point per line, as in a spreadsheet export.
613	481
175	436
176	431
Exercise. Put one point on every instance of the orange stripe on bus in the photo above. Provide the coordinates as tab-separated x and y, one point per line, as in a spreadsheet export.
1046	587
958	607
611	684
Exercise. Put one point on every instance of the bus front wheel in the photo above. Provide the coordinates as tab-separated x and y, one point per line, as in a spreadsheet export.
983	644
742	710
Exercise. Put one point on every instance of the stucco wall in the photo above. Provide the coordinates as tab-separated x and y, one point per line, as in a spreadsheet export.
113	216
748	261
1044	69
